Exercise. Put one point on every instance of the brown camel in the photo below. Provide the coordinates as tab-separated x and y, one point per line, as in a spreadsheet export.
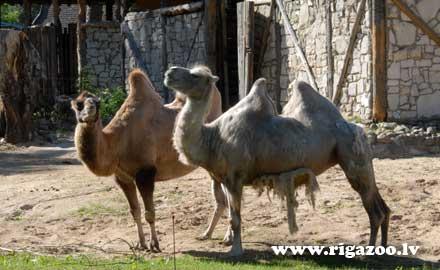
249	140
136	146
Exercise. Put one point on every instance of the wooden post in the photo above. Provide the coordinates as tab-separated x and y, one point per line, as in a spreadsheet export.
225	59
417	21
118	10
80	38
27	6
266	33
378	37
245	42
277	84
56	12
295	41
109	10
211	33
329	48
349	53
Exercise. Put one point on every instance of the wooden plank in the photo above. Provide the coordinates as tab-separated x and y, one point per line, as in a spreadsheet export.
249	45
56	12
224	44
182	9
118	10
378	37
73	57
296	44
245	42
54	62
418	21
240	50
80	46
277	84
265	37
211	33
349	53
109	10
27	6
45	62
329	48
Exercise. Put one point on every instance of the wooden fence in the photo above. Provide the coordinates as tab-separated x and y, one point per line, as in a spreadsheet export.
57	49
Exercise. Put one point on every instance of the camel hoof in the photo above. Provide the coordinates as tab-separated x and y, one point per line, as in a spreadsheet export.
227	241
203	237
141	246
154	247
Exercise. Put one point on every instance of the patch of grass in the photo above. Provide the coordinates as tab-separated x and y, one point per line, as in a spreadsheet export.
97	209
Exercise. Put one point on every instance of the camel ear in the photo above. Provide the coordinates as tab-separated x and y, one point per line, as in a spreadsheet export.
72	104
214	78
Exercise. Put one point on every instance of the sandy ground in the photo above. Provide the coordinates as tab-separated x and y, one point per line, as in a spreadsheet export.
50	203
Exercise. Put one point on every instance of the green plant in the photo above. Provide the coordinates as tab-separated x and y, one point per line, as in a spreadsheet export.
10	13
111	99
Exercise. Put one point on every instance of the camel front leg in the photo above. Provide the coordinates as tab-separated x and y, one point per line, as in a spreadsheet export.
220	205
129	189
234	198
145	185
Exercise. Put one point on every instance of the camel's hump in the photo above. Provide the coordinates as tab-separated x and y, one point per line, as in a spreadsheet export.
305	98
141	86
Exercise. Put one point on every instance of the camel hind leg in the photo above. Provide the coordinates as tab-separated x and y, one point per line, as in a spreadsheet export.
360	174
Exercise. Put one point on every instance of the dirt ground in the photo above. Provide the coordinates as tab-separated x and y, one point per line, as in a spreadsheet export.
50	203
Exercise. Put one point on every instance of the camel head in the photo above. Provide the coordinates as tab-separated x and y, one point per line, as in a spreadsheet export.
86	107
195	83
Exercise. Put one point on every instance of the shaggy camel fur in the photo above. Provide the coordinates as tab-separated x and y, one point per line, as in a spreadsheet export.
248	141
136	146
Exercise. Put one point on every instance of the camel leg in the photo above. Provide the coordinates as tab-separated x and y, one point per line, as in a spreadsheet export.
129	189
145	185
361	178
234	199
220	206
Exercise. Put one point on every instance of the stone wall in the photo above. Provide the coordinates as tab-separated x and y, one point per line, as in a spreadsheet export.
413	63
308	19
146	50
101	59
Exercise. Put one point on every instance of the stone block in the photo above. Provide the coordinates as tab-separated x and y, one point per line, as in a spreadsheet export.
407	63
405	33
394	71
407	115
404	74
424	63
428	105
393	101
435	77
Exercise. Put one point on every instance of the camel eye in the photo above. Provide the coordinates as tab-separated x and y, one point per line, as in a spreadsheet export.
80	106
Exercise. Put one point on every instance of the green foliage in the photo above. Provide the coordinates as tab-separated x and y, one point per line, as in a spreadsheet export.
111	98
10	13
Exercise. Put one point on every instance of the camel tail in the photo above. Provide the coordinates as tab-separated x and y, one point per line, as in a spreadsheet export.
140	85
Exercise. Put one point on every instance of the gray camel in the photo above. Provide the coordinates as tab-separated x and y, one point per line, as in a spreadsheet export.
249	141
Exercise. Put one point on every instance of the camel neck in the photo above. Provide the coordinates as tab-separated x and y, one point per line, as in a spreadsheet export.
93	148
191	133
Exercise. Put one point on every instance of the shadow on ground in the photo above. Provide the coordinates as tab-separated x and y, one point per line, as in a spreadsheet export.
267	258
40	159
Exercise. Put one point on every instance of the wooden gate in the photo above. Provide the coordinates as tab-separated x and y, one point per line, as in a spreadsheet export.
245	46
57	49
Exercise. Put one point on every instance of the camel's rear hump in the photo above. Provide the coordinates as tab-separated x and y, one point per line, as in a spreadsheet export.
305	100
